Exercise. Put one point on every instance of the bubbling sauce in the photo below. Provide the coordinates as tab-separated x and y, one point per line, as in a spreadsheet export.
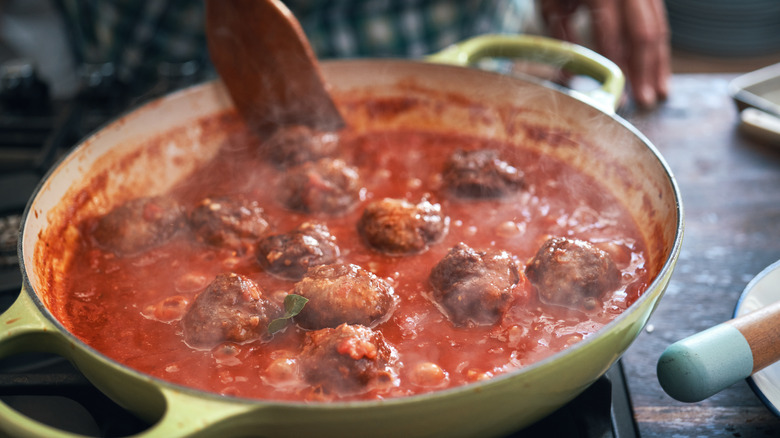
129	307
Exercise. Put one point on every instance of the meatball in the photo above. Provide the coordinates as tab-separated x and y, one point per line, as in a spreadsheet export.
231	309
472	286
324	186
398	227
348	359
572	273
288	256
480	174
139	225
232	222
343	293
296	144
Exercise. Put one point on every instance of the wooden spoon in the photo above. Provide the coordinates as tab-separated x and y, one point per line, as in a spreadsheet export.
263	57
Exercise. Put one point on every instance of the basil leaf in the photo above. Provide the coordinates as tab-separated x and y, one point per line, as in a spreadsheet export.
293	304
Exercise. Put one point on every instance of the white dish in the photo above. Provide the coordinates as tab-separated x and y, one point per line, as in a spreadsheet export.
763	290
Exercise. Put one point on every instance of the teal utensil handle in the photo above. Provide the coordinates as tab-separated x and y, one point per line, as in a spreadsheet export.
705	363
702	365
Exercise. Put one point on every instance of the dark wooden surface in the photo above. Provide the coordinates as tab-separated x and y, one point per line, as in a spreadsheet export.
730	187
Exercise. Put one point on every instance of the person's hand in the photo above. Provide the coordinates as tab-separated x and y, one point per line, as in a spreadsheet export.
632	33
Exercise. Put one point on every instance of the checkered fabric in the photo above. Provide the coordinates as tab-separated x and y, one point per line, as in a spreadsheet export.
403	28
137	35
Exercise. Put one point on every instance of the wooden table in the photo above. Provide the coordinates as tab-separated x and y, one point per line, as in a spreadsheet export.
730	187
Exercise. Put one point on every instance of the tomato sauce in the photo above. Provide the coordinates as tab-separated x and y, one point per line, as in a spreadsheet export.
130	307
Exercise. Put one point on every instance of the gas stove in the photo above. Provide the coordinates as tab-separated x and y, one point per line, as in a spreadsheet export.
35	131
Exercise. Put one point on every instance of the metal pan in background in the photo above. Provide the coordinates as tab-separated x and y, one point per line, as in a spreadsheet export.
757	96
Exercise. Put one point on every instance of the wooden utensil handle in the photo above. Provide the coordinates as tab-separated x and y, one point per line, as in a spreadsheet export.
761	329
268	66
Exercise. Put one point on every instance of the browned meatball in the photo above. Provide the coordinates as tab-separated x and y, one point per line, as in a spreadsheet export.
139	224
231	309
289	255
398	227
324	186
296	144
230	221
348	359
572	273
343	293
480	174
474	286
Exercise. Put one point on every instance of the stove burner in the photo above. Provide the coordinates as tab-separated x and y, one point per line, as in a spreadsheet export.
602	411
20	87
50	390
9	233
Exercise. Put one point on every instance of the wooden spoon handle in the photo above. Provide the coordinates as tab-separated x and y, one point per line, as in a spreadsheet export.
701	365
761	329
268	67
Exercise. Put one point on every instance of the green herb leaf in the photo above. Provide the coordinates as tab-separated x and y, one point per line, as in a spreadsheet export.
293	304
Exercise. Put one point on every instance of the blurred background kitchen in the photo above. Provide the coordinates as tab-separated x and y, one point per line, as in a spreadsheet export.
69	47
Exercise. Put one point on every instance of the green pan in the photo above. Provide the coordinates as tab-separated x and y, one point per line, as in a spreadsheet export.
584	133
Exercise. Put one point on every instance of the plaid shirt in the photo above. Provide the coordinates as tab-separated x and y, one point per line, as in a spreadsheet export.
135	35
138	35
403	28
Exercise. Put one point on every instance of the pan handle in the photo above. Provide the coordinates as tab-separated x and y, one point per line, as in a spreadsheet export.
173	412
570	57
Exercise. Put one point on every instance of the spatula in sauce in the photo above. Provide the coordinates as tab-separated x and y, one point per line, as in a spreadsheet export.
267	65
